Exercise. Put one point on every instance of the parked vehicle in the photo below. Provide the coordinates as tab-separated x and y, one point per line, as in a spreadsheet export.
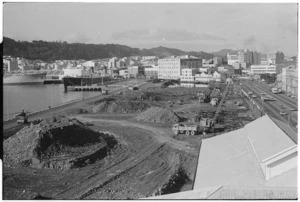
203	126
187	129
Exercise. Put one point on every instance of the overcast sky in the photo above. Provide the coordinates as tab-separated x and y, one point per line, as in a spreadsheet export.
189	26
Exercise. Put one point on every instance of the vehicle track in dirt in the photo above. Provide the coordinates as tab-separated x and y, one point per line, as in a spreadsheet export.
129	163
161	135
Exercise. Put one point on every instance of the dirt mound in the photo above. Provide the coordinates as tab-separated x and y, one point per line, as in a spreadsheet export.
62	144
120	107
158	115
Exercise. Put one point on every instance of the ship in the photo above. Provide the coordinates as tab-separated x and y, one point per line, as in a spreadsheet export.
54	77
24	78
85	81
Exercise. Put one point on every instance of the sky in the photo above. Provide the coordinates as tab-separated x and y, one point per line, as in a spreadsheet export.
205	27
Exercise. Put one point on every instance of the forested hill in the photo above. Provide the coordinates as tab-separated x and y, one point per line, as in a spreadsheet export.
49	51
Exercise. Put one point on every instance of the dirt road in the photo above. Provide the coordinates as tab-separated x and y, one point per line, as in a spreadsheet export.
161	135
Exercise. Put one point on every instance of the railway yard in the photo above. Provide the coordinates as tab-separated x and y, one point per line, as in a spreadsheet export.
121	145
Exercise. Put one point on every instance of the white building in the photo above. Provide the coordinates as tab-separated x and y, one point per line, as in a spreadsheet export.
124	73
232	58
203	77
289	80
89	64
151	72
149	57
216	76
170	67
263	69
203	69
112	62
11	64
77	72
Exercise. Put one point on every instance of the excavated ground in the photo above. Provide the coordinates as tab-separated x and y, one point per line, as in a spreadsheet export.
120	157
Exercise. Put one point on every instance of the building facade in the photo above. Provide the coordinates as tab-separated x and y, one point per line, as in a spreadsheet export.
135	71
170	67
279	57
124	73
289	80
232	59
151	72
262	69
10	65
77	72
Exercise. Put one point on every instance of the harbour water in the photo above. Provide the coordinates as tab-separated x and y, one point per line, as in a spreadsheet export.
36	97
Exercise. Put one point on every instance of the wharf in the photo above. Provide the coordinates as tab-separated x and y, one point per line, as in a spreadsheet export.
85	88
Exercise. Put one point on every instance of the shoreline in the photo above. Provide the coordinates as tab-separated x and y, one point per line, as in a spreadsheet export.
63	108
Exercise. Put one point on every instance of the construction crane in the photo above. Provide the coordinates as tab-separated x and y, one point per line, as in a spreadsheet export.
220	105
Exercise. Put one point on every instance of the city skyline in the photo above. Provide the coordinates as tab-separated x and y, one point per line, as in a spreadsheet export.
190	27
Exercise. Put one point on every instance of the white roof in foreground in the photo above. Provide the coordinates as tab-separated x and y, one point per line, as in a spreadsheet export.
229	160
227	192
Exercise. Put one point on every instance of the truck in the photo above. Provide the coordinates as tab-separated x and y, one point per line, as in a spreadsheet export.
203	126
275	90
187	129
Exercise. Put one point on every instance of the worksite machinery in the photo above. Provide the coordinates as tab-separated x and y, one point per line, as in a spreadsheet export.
22	118
203	126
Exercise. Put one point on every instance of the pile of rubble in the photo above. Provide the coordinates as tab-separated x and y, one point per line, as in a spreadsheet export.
57	144
125	106
158	115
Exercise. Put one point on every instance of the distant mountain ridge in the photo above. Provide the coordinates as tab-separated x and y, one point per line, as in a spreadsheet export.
223	52
49	51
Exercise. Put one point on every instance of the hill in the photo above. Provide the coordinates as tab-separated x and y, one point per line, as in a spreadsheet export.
223	52
49	51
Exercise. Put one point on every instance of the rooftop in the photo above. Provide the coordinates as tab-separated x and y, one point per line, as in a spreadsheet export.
230	160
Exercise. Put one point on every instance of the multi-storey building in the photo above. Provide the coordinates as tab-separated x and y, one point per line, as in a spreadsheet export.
256	58
170	67
187	75
112	63
135	71
252	57
151	72
248	56
218	60
10	64
279	57
124	73
289	80
262	69
232	59
241	56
